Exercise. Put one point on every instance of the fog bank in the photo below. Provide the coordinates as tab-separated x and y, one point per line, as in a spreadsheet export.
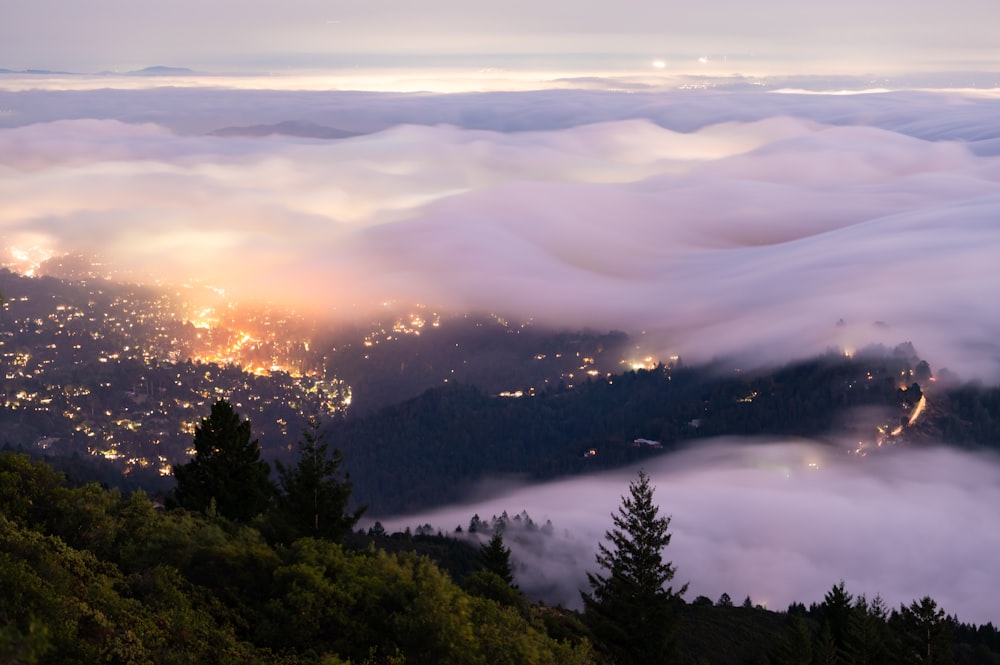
717	222
755	518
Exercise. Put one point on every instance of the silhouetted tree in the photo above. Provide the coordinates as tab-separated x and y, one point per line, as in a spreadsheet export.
312	499
495	557
796	645
922	372
927	635
868	633
226	470
630	611
836	613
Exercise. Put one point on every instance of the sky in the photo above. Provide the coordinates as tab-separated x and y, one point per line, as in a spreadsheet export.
755	181
255	35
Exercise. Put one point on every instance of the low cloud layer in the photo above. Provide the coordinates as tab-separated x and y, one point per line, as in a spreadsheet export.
755	518
720	223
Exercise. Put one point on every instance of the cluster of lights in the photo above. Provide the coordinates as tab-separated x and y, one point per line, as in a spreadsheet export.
154	327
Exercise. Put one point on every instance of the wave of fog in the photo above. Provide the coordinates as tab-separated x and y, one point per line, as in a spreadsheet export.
718	223
753	518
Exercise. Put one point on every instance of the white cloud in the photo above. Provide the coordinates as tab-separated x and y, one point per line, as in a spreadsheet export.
740	236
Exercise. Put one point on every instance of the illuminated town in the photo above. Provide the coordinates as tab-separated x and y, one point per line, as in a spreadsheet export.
125	372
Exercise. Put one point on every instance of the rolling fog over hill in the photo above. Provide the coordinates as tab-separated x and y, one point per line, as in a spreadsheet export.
747	227
775	519
717	222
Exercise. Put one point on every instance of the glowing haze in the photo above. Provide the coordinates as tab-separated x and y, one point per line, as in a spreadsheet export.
717	221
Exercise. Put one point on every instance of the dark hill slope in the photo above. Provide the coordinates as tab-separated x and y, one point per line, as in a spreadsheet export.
431	449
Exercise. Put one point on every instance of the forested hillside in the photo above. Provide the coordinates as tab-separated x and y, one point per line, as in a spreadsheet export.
90	575
430	449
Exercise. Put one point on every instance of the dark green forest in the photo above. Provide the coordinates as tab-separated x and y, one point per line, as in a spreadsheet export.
431	449
90	575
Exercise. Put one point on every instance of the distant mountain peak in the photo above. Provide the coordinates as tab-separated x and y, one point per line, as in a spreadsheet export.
161	70
287	128
36	72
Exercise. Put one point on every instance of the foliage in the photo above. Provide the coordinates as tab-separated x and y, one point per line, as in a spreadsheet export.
226	471
65	605
328	599
89	576
630	610
184	587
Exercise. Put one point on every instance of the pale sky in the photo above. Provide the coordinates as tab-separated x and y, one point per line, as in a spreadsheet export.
227	35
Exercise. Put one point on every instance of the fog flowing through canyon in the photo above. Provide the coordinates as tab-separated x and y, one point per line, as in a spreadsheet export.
781	521
772	226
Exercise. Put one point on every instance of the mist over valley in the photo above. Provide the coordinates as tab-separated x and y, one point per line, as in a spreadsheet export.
776	299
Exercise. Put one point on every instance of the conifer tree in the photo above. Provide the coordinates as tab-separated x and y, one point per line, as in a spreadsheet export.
835	613
868	636
928	636
796	645
495	558
226	469
630	609
313	496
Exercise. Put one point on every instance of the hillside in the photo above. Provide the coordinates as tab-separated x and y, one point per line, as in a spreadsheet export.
431	449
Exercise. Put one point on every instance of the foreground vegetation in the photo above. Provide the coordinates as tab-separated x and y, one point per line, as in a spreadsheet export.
89	576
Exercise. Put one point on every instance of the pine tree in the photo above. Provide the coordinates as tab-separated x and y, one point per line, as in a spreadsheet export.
796	645
630	610
313	497
495	558
226	470
826	648
928	636
868	633
835	613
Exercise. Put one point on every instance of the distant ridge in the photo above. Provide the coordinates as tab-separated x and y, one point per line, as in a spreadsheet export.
287	128
160	70
43	72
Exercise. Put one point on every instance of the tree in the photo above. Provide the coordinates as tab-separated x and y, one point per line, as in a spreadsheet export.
630	611
868	635
313	497
495	557
927	634
835	612
922	372
796	645
226	470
